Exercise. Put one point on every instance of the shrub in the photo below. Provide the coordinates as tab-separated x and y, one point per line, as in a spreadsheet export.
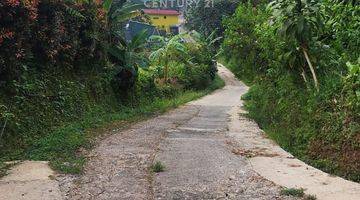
240	45
47	35
292	192
190	67
157	167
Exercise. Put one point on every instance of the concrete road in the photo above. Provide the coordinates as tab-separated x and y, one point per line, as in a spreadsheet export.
210	150
30	180
193	144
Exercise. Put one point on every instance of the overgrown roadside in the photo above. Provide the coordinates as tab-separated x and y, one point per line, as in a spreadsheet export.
67	68
310	107
65	146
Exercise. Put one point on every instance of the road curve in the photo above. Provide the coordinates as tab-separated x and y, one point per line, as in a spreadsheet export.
191	141
210	151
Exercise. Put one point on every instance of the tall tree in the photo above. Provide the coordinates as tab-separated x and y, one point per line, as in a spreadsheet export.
300	21
206	16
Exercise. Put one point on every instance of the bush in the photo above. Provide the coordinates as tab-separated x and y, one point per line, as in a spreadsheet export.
190	68
52	69
241	48
293	192
158	167
47	35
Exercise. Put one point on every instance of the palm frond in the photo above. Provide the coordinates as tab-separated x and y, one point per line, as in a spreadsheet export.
138	41
117	52
156	55
107	5
126	16
127	9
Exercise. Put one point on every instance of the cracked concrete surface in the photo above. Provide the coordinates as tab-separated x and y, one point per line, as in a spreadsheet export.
209	149
191	141
30	180
275	164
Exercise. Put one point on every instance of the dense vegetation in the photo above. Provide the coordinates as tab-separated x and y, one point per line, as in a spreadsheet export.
302	61
65	67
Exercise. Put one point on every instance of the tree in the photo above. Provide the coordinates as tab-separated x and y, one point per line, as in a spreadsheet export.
300	21
208	42
205	18
118	12
126	57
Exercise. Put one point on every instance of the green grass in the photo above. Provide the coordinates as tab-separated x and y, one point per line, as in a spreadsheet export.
157	167
62	146
3	169
293	192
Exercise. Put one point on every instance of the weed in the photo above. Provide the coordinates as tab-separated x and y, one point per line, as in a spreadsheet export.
292	192
157	167
4	167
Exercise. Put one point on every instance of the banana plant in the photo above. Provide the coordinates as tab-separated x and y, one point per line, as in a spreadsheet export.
352	2
131	54
170	48
209	42
119	13
125	55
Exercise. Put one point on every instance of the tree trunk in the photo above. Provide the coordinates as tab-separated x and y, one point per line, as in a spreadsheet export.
316	83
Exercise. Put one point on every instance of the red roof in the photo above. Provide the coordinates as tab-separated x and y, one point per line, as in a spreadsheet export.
160	12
